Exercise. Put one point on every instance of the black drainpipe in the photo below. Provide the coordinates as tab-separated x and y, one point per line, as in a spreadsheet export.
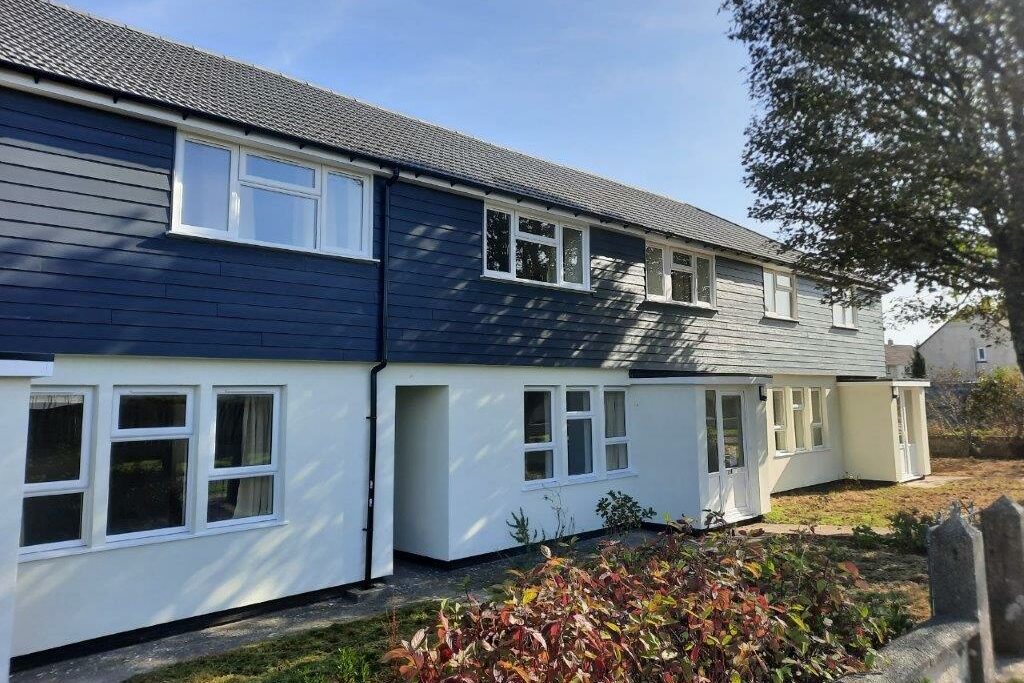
382	355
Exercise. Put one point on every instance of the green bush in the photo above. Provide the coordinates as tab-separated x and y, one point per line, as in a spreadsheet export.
621	512
722	608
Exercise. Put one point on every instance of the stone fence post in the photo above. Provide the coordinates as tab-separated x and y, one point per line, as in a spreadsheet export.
1002	526
959	590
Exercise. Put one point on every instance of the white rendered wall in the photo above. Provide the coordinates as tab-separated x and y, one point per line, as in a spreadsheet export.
870	439
14	396
817	466
318	543
421	471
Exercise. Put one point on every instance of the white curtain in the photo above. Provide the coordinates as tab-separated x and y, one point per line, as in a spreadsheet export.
255	494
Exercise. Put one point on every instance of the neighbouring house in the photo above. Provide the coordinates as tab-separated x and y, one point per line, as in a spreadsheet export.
898	358
258	337
968	347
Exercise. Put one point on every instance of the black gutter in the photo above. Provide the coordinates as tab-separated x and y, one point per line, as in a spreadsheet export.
382	355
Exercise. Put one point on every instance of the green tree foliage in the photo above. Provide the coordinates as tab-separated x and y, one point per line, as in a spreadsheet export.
917	367
888	143
997	402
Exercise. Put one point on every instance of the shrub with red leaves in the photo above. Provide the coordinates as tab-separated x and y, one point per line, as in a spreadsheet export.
721	609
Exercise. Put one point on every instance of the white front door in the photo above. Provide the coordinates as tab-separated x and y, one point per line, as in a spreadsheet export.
727	478
905	429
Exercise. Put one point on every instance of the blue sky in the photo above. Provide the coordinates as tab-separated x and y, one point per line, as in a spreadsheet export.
655	98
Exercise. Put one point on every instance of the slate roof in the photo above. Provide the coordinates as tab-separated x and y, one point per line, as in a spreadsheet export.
899	354
65	44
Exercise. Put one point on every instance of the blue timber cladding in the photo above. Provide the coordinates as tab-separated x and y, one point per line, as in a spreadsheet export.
86	265
442	311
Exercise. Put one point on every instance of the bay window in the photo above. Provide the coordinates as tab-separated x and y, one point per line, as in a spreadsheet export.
798	419
56	469
531	248
678	276
780	294
233	193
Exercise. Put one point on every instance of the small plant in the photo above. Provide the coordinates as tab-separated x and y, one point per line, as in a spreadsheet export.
621	512
866	537
565	524
351	666
520	530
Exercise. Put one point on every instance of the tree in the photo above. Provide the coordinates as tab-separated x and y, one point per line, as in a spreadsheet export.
888	145
917	367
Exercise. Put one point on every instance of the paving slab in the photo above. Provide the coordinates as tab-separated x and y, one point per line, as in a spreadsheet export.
933	481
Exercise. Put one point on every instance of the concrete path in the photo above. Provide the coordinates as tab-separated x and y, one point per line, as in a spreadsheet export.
819	529
411	583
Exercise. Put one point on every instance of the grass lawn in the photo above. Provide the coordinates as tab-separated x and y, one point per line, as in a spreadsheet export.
852	502
341	653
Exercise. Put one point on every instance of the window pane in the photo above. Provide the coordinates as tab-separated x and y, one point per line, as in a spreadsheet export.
279	171
703	280
54	438
817	436
498	226
779	407
240	498
681	259
539	465
533	226
51	519
343	219
655	277
800	442
783	281
147	411
732	426
614	413
580	446
617	456
782	303
711	423
682	286
205	181
572	256
537	406
147	485
780	441
535	261
245	425
276	217
816	405
577	401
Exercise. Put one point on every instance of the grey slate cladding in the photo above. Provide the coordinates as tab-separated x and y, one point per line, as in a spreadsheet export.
45	38
442	311
86	265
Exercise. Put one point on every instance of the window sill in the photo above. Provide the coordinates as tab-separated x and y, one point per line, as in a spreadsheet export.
847	328
809	451
578	479
681	304
782	318
532	283
30	556
186	234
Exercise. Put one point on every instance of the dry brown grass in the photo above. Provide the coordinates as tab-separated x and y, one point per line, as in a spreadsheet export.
851	502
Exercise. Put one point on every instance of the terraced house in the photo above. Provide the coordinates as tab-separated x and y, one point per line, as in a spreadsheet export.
257	338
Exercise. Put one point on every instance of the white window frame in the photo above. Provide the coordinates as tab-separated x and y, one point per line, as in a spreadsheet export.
569	416
981	354
215	473
668	265
80	485
844	316
516	235
545	446
616	440
118	435
771	286
238	179
789	424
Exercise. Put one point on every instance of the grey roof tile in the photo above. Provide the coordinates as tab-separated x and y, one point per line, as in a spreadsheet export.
62	42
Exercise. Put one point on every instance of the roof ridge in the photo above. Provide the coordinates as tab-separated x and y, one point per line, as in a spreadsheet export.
411	117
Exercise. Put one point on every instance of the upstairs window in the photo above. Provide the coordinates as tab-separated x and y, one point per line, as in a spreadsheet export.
678	276
780	294
844	315
533	248
233	193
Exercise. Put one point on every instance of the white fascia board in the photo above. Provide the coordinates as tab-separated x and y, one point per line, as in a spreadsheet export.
25	368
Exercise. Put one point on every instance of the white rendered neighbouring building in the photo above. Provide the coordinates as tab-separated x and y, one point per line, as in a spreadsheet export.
213	275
